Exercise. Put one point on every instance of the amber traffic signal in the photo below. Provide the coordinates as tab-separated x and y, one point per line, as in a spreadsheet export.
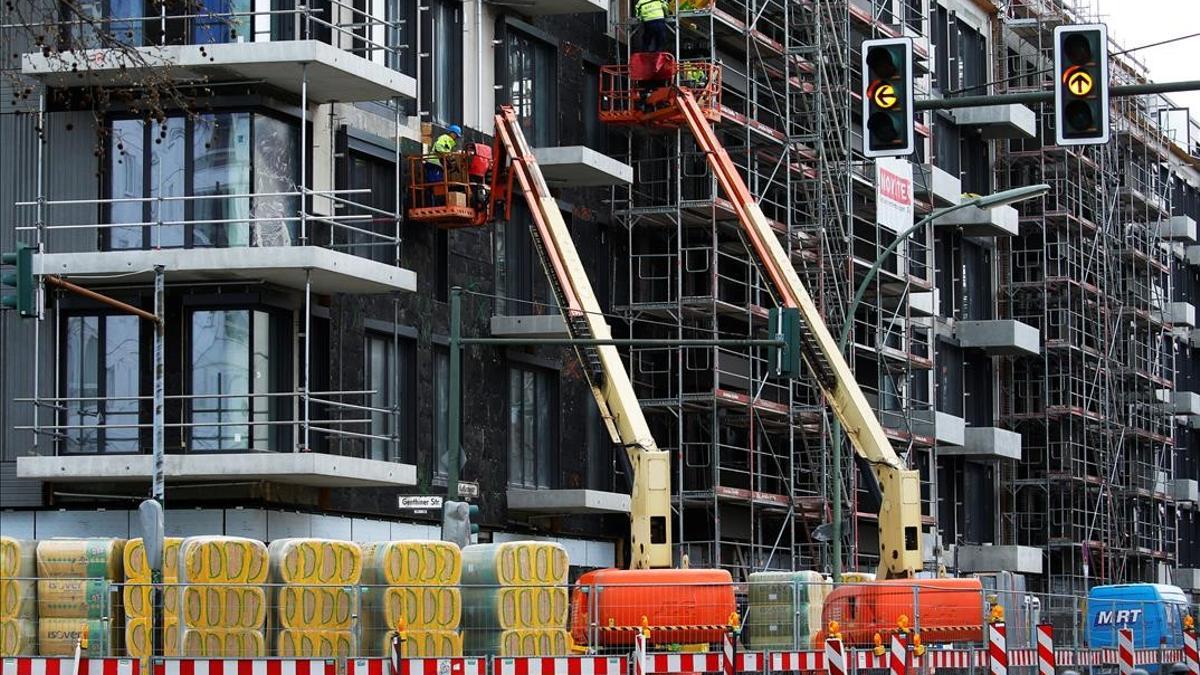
887	93
1081	85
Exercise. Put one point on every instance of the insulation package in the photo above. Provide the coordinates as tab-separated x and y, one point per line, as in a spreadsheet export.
18	588
137	600
235	643
315	562
417	643
519	642
787	588
515	563
417	608
514	607
57	637
857	577
222	560
18	599
77	598
324	608
236	606
411	563
137	638
81	559
302	642
781	626
18	637
137	569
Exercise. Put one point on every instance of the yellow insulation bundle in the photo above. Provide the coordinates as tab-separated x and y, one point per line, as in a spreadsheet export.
18	597
422	607
519	642
137	637
137	570
420	643
57	637
17	558
411	563
316	607
76	598
18	637
138	600
309	642
222	560
80	559
515	563
315	561
222	642
228	607
510	607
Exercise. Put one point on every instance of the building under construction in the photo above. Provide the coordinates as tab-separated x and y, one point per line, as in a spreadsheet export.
1033	362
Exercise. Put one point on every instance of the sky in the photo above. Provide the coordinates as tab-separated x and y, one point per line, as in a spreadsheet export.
1133	23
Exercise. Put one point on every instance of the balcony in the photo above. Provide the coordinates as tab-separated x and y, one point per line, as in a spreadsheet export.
987	444
924	304
1180	314
549	7
1179	228
557	502
580	166
1011	120
1187	578
936	186
529	326
1186	490
1185	403
976	222
325	58
944	428
1000	337
989	558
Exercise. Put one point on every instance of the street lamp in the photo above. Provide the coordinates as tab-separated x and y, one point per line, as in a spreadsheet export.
1002	198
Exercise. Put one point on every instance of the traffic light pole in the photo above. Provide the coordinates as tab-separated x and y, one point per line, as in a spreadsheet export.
1117	91
454	435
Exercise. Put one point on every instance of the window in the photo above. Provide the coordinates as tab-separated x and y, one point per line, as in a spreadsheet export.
221	159
402	17
520	262
100	23
234	365
593	130
446	93
379	176
532	90
100	383
441	414
532	427
220	21
391	380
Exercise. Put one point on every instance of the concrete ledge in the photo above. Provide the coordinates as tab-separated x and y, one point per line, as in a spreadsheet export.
1180	314
308	468
1011	120
1186	490
567	501
1178	228
976	222
546	7
1185	403
532	326
946	429
1193	255
986	558
581	166
987	443
924	304
333	74
999	336
1187	578
936	186
330	271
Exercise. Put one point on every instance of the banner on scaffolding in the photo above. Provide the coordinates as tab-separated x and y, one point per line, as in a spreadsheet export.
893	193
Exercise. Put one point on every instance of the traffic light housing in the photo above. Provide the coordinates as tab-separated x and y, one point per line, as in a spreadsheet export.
1081	84
784	323
887	93
18	292
458	522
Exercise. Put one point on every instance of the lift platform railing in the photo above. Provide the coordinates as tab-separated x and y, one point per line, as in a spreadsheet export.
640	94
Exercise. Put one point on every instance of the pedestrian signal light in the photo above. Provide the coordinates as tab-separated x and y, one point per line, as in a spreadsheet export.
1081	87
17	280
887	93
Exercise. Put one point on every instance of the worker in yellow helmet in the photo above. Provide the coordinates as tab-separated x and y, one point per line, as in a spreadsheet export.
653	15
435	163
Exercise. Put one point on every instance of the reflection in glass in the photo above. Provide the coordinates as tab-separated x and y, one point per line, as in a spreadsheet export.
101	363
168	178
126	169
381	377
221	152
221	21
275	171
220	379
530	432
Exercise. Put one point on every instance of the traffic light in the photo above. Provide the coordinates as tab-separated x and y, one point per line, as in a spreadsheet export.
457	522
18	282
784	323
1081	85
887	93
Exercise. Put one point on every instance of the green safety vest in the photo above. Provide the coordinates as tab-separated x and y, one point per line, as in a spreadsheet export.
443	145
649	10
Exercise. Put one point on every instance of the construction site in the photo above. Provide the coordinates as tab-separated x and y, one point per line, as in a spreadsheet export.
339	274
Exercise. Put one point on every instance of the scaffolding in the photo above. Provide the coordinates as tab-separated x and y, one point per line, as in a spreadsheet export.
1090	270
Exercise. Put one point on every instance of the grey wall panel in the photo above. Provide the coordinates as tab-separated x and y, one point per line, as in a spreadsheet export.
52	524
283	524
18	524
71	173
364	530
331	527
190	522
250	523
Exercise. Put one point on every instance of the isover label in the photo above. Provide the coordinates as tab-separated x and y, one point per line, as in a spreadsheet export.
1118	617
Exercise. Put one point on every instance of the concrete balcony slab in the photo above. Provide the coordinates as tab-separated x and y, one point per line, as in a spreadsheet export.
332	74
936	186
924	304
296	468
1187	578
1178	228
531	326
1011	120
581	166
567	501
1186	490
976	222
1185	403
1180	314
548	7
946	429
329	271
987	558
987	443
1003	337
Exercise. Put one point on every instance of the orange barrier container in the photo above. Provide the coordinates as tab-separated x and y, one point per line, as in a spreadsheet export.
686	606
949	610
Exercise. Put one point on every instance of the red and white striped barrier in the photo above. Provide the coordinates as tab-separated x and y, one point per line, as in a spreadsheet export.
898	658
1191	652
727	655
30	665
835	657
997	649
560	665
639	654
1045	649
707	662
782	662
414	666
1125	654
245	667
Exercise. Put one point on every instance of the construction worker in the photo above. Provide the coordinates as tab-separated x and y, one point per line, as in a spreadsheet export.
692	76
653	15
435	163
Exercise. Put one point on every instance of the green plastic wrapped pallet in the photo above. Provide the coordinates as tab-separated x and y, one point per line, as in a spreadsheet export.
787	588
514	607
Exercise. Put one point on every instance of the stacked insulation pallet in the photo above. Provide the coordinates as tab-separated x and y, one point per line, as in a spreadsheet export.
411	588
138	599
515	600
18	597
78	590
316	602
222	601
784	610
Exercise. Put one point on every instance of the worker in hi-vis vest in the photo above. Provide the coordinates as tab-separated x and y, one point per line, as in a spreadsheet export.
435	162
653	15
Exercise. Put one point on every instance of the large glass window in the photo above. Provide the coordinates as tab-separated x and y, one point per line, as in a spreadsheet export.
221	179
391	380
532	426
446	90
220	21
379	177
532	91
441	414
233	369
103	23
100	386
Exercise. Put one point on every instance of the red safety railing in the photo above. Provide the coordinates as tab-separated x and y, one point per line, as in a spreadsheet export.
451	189
642	94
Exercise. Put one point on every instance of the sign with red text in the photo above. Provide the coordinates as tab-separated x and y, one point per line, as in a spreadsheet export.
893	193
